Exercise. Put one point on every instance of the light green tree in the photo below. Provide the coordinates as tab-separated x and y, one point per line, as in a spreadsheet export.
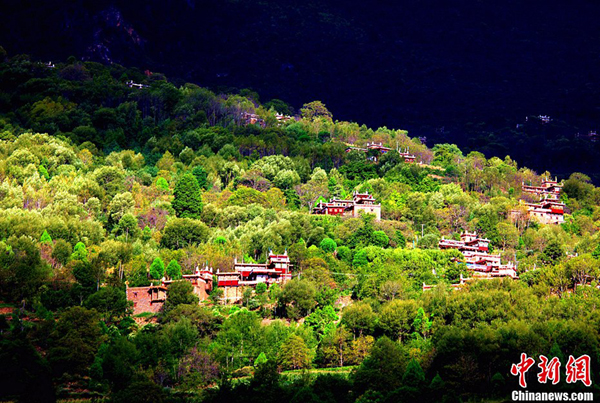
294	354
174	270
157	269
46	238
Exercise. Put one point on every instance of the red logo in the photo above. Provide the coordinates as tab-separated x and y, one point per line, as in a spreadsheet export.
579	370
521	368
576	369
549	370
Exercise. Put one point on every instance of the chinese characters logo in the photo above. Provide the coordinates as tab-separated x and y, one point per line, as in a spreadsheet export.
577	369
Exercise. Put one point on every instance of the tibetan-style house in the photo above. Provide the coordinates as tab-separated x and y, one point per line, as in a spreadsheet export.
547	211
479	261
276	270
408	157
547	188
152	298
350	208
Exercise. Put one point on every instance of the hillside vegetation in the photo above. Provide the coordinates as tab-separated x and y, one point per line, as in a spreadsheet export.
103	185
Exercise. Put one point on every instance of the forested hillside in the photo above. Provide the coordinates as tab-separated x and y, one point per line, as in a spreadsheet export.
112	177
467	73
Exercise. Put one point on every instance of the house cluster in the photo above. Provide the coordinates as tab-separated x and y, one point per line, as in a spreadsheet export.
253	119
152	298
276	270
131	84
549	210
479	261
592	135
408	157
544	118
360	202
282	118
548	188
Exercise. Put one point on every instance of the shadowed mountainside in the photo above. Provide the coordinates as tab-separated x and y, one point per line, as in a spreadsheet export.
461	73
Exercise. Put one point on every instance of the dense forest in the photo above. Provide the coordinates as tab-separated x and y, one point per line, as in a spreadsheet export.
112	177
468	73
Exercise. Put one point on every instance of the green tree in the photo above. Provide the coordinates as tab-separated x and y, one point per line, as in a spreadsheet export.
244	196
46	238
162	184
174	270
181	232
62	251
261	359
22	271
286	179
120	205
315	109
181	335
400	240
75	341
197	369
380	239
414	375
359	318
180	292
117	361
261	288
294	354
381	370
187	201
322	319
578	186
344	254
201	176
128	227
397	316
328	245
110	302
422	324
298	298
238	342
157	269
80	252
360	258
552	253
596	252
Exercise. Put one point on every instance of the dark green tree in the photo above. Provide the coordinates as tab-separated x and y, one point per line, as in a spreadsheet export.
380	371
180	292
62	251
298	298
75	341
110	302
187	201
181	232
414	375
552	253
22	271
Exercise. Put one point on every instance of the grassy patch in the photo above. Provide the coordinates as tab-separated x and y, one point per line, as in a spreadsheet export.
296	373
144	315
